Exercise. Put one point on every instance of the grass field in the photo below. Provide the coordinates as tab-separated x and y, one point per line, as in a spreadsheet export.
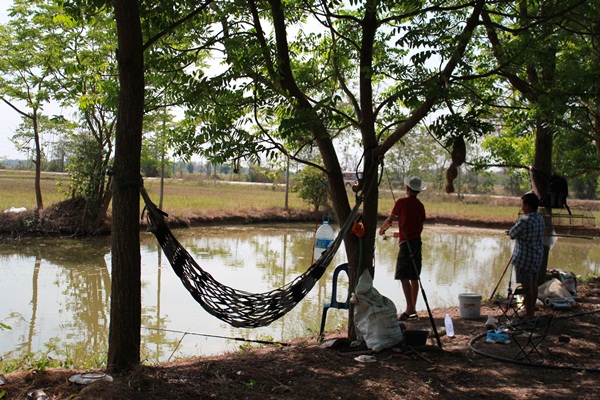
17	188
194	195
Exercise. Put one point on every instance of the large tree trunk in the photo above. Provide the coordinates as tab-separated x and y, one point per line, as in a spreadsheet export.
544	75
544	142
125	315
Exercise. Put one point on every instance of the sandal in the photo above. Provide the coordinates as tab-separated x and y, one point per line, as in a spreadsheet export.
404	316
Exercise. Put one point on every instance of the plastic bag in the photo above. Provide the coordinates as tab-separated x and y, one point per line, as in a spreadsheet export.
375	316
567	278
553	289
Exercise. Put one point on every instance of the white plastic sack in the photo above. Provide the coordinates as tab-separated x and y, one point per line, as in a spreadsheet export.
567	278
553	289
375	316
15	210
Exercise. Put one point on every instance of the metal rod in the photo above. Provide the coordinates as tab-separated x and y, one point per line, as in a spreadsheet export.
220	337
437	335
500	280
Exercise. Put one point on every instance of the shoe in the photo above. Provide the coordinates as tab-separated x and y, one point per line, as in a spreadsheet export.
404	316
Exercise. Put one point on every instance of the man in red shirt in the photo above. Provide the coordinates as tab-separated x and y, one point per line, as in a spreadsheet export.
411	215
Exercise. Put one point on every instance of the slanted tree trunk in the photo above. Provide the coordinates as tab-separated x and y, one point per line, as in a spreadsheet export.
125	315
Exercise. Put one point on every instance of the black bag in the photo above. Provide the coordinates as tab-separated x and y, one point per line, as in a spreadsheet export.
556	193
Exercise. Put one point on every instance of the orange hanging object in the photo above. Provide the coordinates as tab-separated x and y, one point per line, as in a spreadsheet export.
358	229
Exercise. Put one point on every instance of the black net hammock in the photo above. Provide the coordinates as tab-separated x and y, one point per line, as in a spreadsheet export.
238	308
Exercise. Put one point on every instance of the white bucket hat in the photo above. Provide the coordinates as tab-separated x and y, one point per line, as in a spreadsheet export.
415	183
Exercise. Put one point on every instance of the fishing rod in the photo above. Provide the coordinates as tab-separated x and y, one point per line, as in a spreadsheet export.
500	280
431	320
221	337
410	253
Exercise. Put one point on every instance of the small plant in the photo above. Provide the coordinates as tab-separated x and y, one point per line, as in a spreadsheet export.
251	384
267	338
4	327
310	331
592	278
57	355
245	346
40	363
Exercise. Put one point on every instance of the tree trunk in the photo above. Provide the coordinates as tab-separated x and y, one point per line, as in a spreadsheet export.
125	316
544	143
545	74
38	167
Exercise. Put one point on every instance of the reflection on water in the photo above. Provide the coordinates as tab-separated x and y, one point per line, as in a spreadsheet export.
56	291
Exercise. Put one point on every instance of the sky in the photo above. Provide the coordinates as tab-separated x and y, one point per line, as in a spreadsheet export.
9	119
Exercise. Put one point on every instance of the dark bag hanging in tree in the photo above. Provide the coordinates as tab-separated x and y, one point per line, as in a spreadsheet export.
556	193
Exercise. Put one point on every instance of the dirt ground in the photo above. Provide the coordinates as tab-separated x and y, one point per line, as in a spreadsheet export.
464	368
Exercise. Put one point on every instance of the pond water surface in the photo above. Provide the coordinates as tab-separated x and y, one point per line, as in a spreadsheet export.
54	293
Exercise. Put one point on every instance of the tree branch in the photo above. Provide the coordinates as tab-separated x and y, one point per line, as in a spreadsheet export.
175	24
418	114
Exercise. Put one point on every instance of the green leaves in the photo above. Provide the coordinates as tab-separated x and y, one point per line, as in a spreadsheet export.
469	125
312	187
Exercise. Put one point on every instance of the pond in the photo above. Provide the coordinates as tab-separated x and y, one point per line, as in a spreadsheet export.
55	293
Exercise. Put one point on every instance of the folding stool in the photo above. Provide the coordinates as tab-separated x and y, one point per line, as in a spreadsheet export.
528	340
511	306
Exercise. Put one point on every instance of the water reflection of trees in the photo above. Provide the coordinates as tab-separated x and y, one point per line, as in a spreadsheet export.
155	342
464	257
85	277
81	275
580	256
264	257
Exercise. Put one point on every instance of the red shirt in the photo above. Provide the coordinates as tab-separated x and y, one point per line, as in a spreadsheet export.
411	215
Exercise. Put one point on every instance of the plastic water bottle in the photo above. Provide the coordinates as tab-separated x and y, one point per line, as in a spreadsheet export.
323	239
449	326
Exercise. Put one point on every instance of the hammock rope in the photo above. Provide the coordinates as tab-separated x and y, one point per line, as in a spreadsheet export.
239	308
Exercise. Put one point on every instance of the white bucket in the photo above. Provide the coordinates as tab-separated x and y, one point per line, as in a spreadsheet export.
470	305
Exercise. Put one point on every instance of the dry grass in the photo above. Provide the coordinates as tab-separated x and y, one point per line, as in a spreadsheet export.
193	197
187	195
18	188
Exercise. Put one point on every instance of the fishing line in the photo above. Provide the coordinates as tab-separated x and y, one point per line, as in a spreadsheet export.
221	337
